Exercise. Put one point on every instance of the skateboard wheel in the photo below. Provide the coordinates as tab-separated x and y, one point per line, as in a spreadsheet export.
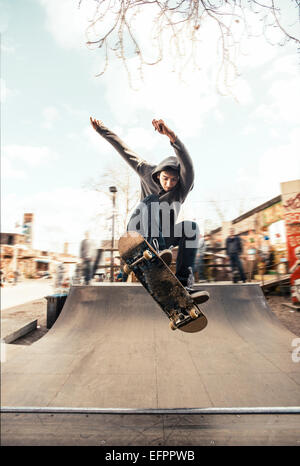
147	254
127	269
173	325
193	313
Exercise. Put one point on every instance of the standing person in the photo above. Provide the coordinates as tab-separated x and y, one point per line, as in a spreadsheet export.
164	188
76	279
16	276
199	261
251	259
59	277
2	278
233	250
86	256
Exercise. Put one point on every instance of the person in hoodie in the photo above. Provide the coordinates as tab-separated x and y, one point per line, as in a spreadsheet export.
164	188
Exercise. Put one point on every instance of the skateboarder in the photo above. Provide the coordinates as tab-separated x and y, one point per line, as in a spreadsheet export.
164	188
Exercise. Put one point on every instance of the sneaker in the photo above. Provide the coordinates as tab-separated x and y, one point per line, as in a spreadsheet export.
190	278
166	256
189	289
188	281
199	297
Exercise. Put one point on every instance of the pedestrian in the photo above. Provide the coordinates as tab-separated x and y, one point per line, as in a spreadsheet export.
2	278
199	261
86	256
16	277
164	188
59	278
233	250
251	261
76	279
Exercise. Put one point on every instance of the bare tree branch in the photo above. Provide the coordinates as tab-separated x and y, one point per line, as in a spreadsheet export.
128	190
178	24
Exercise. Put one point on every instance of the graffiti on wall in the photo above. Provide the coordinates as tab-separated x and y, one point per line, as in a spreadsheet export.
291	205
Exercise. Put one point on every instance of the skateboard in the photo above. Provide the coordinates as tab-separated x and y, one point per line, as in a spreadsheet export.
161	283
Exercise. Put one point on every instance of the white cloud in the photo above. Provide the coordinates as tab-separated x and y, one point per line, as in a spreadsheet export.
5	91
286	65
7	48
286	97
140	138
277	164
30	155
248	129
242	91
96	141
50	116
10	171
284	104
281	163
66	22
256	51
163	95
61	215
255	183
75	112
17	159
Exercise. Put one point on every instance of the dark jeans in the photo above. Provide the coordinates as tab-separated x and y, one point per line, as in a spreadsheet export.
235	263
96	262
148	222
87	271
199	265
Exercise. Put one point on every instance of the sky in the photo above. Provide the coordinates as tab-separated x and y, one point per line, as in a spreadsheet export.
244	140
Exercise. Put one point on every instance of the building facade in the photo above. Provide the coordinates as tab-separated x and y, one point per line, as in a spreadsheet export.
18	256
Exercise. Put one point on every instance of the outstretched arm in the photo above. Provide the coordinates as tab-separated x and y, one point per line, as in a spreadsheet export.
185	161
128	155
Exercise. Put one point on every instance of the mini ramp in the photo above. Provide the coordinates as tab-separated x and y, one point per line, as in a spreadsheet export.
112	349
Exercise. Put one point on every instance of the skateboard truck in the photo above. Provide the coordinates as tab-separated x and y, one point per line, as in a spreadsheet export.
146	256
179	318
182	319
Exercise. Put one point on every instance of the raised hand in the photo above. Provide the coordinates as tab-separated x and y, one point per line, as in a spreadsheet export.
96	123
162	128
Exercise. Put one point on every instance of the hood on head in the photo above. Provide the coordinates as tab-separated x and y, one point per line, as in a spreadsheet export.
169	162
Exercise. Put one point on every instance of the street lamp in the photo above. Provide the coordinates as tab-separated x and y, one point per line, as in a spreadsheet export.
113	190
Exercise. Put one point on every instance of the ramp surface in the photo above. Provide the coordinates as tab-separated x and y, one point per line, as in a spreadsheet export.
112	347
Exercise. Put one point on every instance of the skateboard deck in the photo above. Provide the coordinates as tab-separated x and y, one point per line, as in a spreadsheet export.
161	283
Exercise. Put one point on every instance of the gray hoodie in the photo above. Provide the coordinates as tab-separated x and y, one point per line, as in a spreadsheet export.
147	172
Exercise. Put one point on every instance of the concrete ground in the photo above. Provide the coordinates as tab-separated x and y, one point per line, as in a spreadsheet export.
23	309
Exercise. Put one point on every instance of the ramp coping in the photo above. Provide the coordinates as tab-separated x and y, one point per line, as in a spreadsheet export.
211	410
